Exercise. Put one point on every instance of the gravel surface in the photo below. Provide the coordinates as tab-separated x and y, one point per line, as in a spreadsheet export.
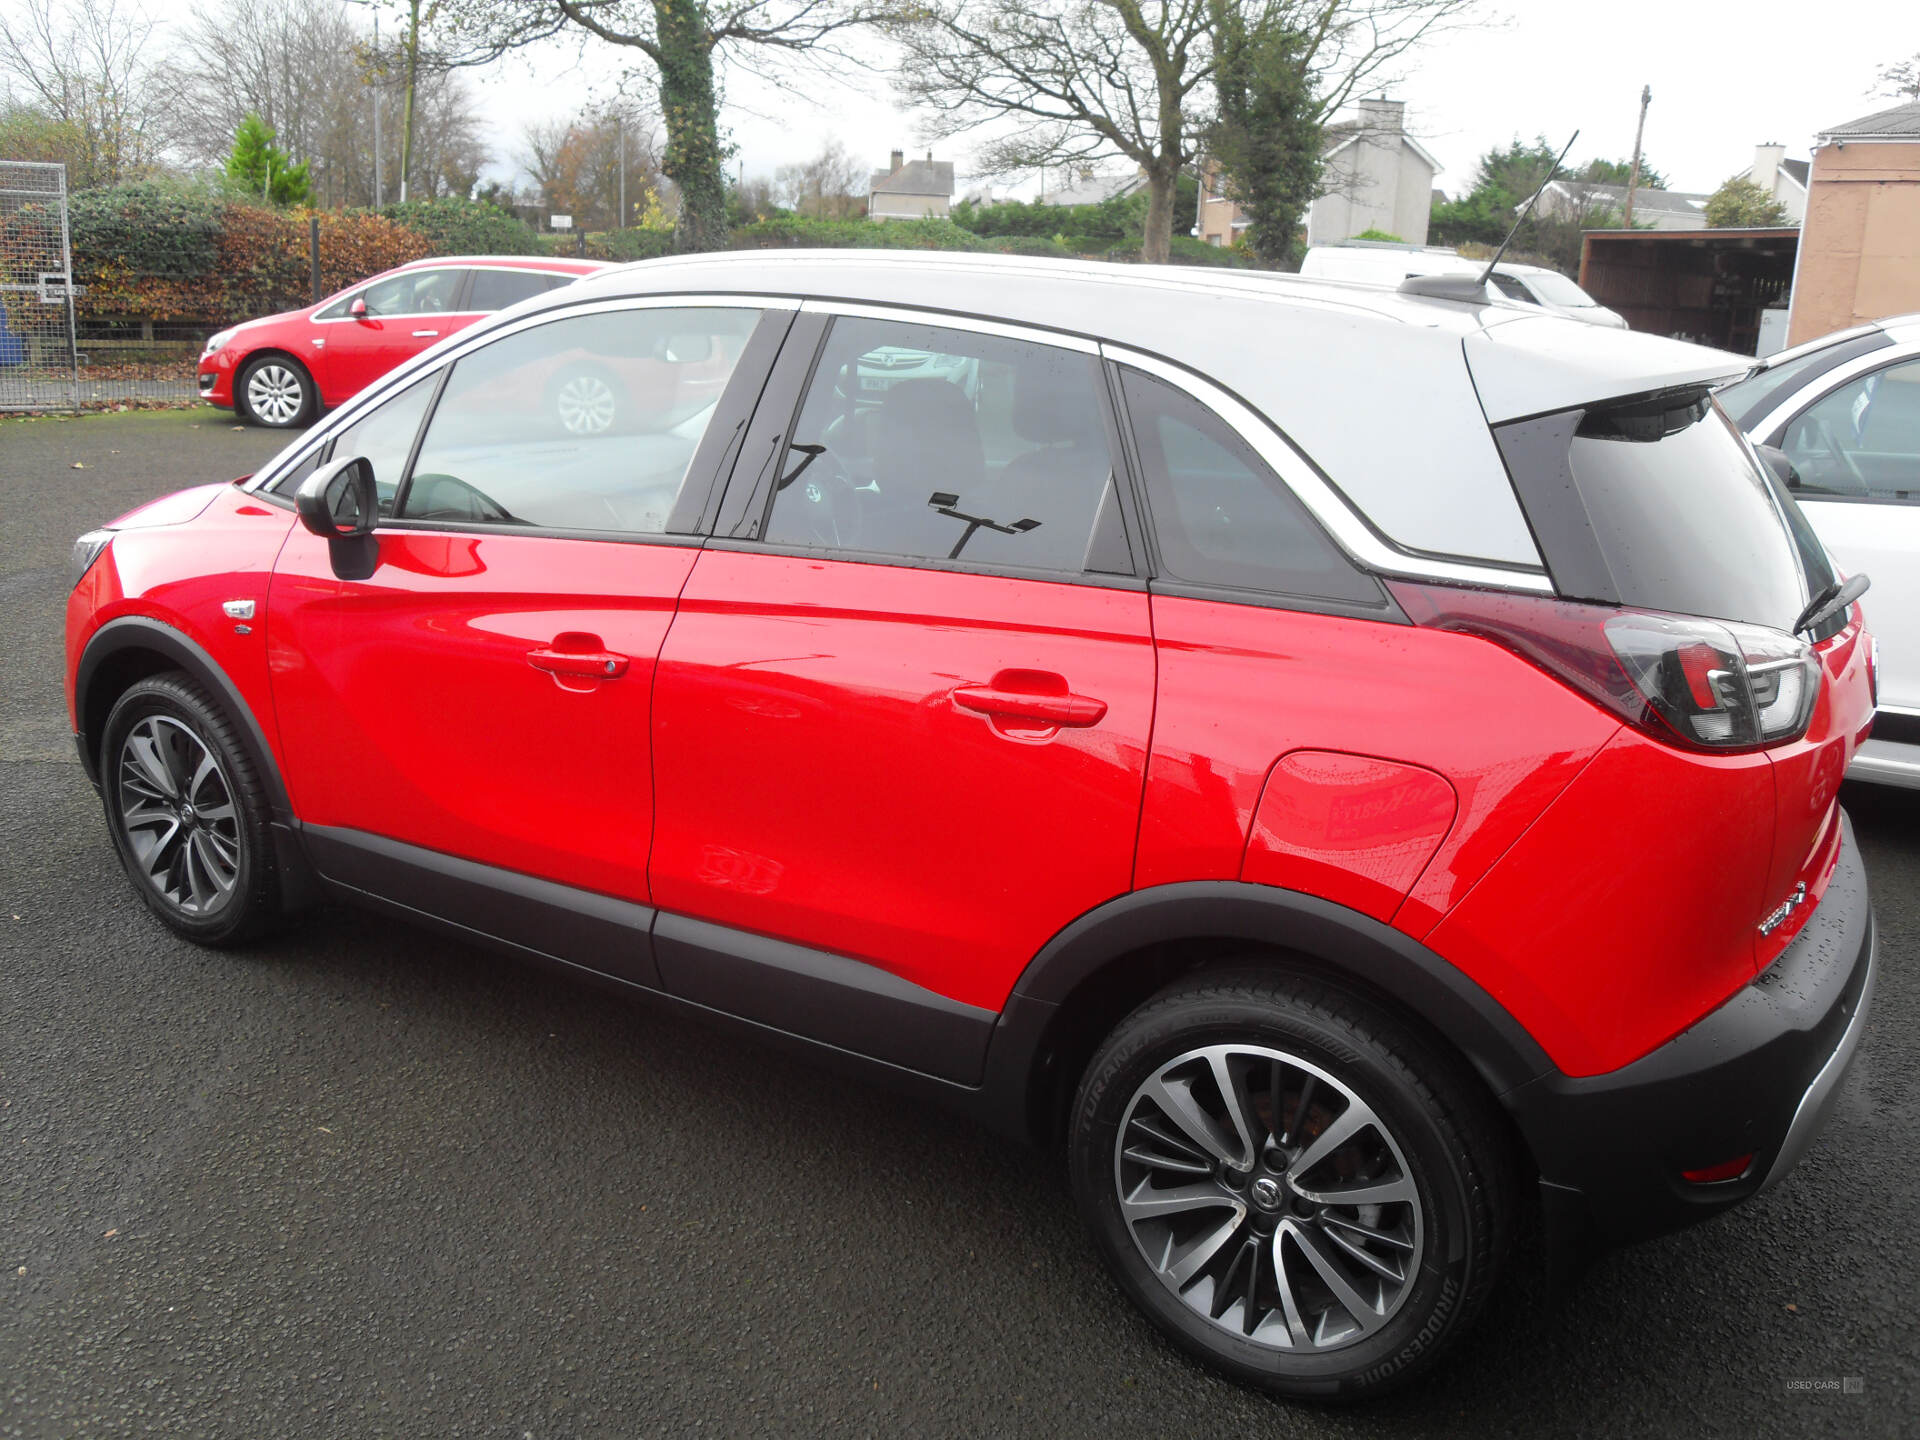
365	1181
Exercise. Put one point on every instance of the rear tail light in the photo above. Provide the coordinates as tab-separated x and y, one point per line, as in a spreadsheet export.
1702	684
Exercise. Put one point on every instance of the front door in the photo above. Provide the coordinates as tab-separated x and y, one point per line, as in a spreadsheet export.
905	725
1857	453
484	695
405	314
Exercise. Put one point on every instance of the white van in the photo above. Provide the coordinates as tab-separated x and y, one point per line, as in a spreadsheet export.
1379	263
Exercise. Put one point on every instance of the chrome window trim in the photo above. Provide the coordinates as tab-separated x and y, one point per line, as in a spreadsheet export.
1326	504
1804	399
912	315
472	339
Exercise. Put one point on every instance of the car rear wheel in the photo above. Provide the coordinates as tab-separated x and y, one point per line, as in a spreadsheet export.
276	392
1290	1183
187	811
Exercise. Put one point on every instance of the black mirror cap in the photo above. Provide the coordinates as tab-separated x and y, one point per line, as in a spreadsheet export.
339	501
358	308
1781	466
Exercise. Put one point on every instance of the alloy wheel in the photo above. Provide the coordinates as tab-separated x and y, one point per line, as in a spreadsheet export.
275	394
1269	1198
585	404
178	814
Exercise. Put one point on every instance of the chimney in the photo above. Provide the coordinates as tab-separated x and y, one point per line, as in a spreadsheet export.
1766	165
1382	117
898	159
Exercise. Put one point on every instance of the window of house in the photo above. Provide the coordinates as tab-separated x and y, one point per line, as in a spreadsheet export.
1221	515
941	444
589	422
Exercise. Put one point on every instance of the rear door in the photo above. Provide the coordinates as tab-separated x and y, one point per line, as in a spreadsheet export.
902	715
484	696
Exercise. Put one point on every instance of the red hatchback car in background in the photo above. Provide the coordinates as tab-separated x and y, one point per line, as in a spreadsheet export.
283	370
1347	768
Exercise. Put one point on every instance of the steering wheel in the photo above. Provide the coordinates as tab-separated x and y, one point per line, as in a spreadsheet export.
818	497
448	497
1823	432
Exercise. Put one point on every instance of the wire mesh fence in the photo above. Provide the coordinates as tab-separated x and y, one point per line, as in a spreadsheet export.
39	362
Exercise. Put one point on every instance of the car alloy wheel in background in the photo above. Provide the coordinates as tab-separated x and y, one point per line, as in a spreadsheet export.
275	393
586	403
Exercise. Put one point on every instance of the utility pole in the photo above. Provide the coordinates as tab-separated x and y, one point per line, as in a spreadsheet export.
1639	131
379	69
406	122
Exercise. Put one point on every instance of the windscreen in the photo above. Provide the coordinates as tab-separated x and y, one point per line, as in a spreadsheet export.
1683	515
1748	401
1558	290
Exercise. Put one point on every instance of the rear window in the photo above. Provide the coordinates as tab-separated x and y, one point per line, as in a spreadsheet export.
1683	516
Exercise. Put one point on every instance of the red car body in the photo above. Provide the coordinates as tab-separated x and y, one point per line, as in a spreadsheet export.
957	819
343	352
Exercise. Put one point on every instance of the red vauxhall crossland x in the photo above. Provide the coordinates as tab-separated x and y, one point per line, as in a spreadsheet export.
1347	768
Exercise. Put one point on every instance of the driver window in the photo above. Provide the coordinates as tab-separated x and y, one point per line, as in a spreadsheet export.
1863	439
584	423
416	292
939	444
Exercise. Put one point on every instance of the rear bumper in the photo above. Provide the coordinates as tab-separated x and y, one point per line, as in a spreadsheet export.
1757	1076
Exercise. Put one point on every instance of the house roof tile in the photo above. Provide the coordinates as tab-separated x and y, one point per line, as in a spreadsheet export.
1901	121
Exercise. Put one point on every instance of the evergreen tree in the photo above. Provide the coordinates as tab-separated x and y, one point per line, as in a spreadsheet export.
263	168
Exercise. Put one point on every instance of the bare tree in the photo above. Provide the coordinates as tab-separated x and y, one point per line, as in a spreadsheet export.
682	40
575	164
831	186
1053	82
308	68
85	65
1899	81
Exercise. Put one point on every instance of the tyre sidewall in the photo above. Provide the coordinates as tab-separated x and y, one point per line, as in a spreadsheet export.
1438	1298
254	899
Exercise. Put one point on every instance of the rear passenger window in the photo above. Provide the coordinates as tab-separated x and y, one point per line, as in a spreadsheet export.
1222	517
929	443
497	289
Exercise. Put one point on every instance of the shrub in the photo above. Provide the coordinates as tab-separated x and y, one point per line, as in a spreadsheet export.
466	227
630	244
1374	232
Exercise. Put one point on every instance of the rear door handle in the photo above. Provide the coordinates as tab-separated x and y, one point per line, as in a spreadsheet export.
586	664
1031	698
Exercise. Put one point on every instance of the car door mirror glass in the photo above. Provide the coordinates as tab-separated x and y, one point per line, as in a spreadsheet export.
1781	464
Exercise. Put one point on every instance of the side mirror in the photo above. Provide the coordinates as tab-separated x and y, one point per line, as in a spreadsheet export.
358	309
1781	466
339	503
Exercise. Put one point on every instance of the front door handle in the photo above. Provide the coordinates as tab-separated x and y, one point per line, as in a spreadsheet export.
583	664
1033	698
423	334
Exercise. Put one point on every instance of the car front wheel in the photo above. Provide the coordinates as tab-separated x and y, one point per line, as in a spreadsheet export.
1293	1186
276	392
188	813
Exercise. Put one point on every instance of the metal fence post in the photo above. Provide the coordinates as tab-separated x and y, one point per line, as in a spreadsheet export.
313	254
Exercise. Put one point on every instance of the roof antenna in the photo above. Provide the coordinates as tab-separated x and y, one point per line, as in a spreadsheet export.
1459	287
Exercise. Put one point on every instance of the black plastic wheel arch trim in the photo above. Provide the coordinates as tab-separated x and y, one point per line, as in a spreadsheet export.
1342	940
138	632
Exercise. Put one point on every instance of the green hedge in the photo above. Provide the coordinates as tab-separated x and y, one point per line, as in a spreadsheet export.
466	227
159	229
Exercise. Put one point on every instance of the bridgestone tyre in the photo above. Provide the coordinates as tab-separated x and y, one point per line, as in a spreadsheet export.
1191	1211
187	812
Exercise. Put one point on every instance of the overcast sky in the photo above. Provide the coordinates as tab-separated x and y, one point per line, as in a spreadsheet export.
1725	78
